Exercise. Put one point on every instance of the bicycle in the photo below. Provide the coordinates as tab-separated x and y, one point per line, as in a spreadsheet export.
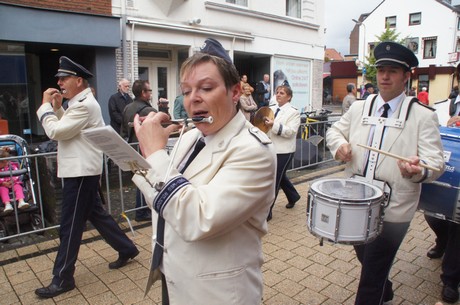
314	125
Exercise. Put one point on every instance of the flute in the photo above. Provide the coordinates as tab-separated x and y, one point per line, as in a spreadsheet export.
186	121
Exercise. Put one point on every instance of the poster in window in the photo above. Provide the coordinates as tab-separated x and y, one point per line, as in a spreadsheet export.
297	74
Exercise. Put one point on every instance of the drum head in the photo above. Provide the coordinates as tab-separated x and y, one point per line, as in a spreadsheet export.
346	189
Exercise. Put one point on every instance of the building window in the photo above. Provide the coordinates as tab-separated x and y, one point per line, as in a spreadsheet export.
293	8
239	2
412	44
423	81
458	24
429	47
390	22
415	19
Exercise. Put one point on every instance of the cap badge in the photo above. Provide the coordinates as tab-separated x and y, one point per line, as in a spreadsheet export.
388	47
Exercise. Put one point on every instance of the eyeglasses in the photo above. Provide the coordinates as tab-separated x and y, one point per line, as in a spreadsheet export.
149	90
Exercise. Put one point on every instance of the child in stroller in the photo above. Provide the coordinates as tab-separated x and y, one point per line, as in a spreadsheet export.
10	183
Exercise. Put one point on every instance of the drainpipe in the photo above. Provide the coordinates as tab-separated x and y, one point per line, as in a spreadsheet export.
132	50
123	39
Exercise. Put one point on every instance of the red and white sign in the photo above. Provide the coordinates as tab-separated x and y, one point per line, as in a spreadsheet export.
453	57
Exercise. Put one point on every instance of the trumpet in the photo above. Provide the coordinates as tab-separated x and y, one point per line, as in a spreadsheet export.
185	122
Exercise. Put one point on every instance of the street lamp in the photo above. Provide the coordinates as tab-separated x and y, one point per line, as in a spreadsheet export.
360	23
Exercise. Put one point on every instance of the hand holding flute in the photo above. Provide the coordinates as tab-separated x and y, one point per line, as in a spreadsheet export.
150	132
53	96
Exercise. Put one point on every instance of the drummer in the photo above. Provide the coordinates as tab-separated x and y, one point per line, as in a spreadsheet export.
448	232
417	139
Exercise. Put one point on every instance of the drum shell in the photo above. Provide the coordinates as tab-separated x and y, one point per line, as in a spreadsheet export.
346	221
443	201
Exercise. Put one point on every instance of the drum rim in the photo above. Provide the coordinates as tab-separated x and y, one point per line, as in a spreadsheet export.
377	197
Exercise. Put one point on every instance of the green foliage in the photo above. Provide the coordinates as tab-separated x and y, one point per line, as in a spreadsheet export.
387	35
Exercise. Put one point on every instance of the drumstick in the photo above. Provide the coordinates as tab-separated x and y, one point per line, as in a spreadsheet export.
398	157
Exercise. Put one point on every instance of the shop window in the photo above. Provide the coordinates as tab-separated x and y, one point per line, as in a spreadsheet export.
293	8
238	2
415	19
429	47
390	22
423	81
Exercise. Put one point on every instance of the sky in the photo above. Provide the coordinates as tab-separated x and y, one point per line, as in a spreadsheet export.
339	24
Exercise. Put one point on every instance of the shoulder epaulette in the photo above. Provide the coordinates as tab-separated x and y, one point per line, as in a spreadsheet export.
259	135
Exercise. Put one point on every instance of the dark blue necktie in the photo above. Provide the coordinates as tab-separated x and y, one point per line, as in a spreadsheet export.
277	111
386	107
158	250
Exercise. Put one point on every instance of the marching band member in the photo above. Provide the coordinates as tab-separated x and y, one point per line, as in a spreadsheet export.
211	214
401	126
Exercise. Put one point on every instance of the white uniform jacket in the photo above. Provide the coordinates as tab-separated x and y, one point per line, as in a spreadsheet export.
215	215
419	137
285	127
76	157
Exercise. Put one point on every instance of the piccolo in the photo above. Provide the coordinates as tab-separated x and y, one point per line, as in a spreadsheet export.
194	120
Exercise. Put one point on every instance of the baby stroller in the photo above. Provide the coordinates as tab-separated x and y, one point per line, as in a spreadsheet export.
19	220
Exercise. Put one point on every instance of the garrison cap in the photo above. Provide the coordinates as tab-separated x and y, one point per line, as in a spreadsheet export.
213	47
389	53
68	67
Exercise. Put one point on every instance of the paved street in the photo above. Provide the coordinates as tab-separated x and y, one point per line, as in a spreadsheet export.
297	269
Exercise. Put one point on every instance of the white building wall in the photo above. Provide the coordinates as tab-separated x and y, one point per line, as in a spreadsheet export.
261	29
437	20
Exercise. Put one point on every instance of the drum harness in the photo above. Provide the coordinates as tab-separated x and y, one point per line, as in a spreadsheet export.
380	124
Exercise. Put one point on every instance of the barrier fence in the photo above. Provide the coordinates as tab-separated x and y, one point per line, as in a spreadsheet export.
117	189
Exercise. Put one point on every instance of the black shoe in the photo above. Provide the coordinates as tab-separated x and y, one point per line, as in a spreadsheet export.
122	260
143	218
449	294
290	205
435	252
53	290
269	217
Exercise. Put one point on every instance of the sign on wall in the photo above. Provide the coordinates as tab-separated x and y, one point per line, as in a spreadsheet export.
297	74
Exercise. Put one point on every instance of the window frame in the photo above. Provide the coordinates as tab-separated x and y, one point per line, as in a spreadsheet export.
294	8
411	22
387	22
238	2
432	41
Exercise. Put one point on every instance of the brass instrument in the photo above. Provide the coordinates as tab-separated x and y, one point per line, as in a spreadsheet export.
261	115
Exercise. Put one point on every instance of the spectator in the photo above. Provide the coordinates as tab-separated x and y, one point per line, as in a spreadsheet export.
117	104
244	81
247	103
8	183
263	91
423	96
141	106
349	98
368	90
179	110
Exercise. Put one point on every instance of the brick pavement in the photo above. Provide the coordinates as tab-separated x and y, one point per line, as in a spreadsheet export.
297	269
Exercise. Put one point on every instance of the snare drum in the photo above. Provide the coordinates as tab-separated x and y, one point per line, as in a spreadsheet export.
345	211
441	198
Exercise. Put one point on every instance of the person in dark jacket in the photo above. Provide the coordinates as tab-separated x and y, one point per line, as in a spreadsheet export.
117	104
141	105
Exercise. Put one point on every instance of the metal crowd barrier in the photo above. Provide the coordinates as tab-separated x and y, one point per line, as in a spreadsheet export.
311	151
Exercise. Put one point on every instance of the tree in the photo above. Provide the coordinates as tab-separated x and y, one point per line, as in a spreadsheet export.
387	35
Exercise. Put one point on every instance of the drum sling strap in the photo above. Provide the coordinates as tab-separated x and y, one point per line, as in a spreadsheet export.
381	123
